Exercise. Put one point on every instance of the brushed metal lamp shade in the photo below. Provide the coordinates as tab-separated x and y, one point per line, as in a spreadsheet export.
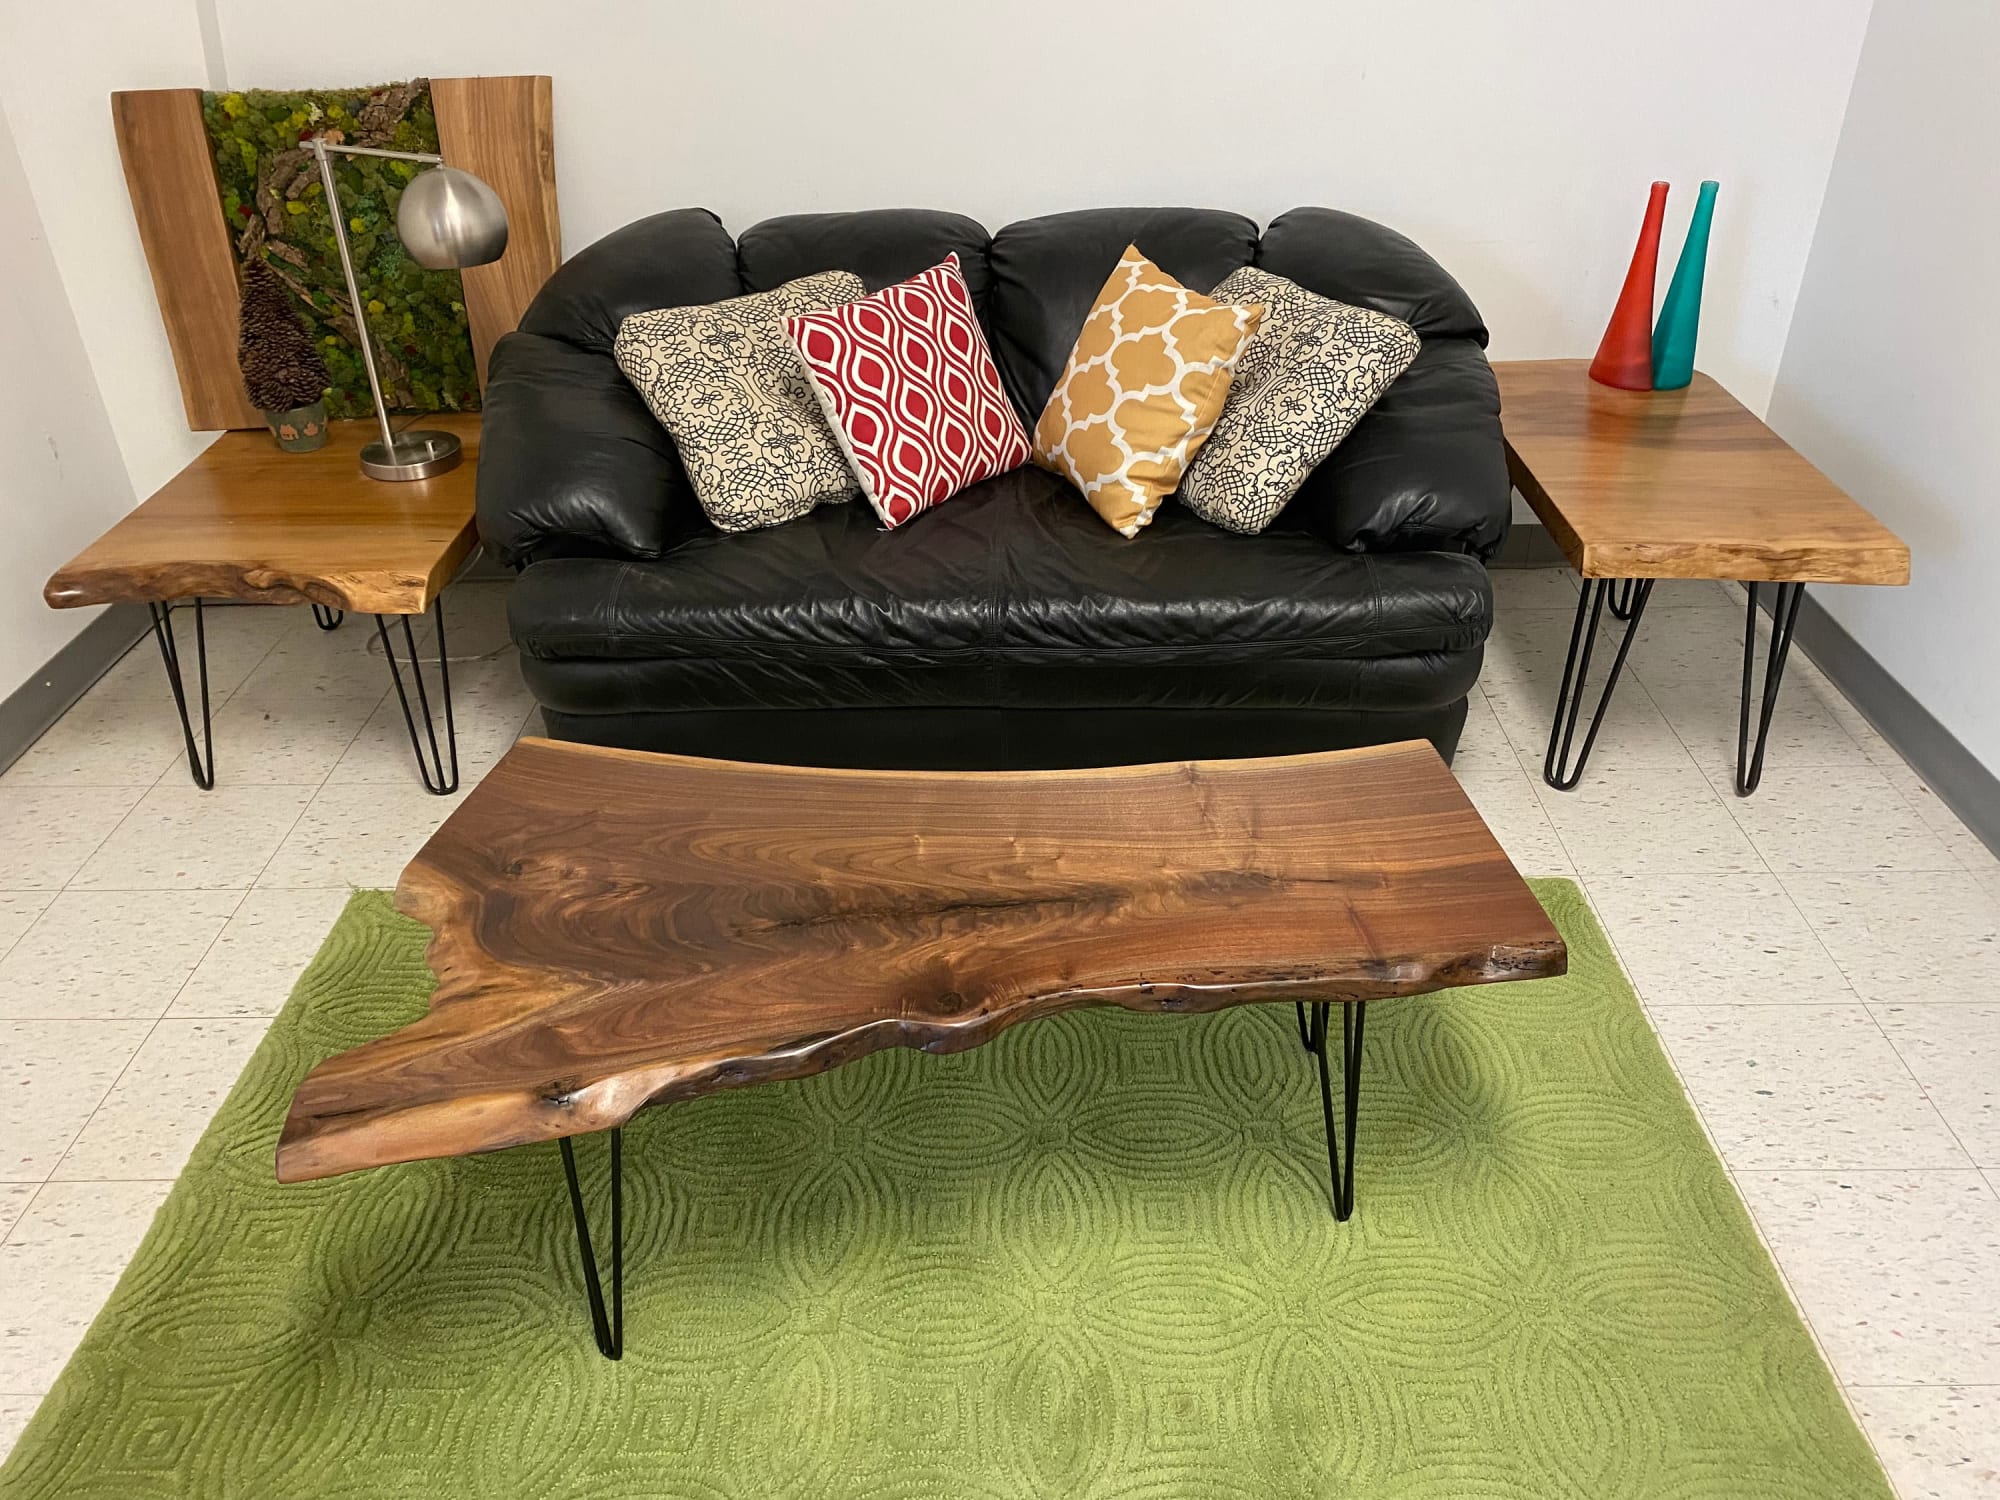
447	219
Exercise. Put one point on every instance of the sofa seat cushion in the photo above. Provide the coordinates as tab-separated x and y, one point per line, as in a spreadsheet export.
1013	594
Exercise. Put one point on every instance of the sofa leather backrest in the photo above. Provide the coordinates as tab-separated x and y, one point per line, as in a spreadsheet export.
1033	282
1352	259
882	246
681	258
1047	273
575	462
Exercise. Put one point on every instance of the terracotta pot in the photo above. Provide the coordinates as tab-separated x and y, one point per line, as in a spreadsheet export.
301	429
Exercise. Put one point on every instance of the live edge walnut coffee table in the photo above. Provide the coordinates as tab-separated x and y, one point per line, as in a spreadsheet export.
1636	486
614	929
249	522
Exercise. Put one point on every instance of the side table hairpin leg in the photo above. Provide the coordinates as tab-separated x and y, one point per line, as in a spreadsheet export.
201	763
439	769
1557	770
1784	615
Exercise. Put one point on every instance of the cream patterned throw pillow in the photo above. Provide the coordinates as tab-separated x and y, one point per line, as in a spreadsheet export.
1310	374
726	383
1143	387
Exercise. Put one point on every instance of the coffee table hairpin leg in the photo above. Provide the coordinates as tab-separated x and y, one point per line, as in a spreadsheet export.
1313	1037
201	763
327	617
609	1327
440	768
610	1331
1632	593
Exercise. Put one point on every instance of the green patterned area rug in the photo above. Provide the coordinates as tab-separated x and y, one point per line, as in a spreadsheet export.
1092	1259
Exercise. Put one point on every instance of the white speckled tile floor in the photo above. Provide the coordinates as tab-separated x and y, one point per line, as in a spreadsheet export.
1821	961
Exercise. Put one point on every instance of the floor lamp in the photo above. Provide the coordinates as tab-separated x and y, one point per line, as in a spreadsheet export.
447	219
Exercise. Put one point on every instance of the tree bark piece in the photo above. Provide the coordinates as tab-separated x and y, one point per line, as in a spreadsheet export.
615	929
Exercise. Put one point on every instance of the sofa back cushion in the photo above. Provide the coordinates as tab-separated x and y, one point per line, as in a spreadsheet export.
1047	274
675	259
1356	260
882	246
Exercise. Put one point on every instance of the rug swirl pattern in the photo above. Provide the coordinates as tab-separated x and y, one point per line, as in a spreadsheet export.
1093	1258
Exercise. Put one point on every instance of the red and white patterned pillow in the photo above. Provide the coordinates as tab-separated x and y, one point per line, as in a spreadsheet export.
910	391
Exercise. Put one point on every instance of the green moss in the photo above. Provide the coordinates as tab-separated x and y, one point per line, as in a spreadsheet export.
417	317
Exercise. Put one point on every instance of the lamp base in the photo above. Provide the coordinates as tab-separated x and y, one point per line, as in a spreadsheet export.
415	455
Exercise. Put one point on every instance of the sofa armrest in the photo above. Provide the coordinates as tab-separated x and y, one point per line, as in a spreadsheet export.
1425	470
571	462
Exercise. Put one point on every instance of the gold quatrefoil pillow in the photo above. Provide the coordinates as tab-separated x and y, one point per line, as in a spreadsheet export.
1142	390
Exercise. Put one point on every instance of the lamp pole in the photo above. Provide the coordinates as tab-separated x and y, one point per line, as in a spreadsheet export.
480	236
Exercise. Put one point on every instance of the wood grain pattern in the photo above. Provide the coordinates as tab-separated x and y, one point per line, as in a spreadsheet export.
503	130
1679	484
616	929
247	520
171	178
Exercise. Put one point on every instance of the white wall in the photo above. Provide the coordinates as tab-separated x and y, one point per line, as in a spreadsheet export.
61	478
60	60
1515	141
1889	381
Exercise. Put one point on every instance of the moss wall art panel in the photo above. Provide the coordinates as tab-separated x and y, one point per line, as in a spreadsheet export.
276	208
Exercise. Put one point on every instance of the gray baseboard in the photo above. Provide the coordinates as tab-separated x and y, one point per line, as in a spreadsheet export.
1528	545
484	567
1962	783
27	712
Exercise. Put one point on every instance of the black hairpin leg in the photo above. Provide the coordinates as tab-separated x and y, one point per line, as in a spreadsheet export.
1556	768
1340	1166
1784	615
201	763
440	768
610	1331
1623	592
327	617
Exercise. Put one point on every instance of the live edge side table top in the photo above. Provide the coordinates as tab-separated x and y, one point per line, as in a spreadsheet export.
1635	486
247	521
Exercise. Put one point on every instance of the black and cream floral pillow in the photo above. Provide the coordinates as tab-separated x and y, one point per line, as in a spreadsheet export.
726	383
1310	374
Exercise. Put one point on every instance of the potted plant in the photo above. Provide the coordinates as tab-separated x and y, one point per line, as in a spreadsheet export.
282	371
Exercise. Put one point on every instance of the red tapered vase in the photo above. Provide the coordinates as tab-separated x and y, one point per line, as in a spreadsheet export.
1625	358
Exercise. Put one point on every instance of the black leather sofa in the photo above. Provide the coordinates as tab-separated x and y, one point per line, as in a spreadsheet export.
1009	627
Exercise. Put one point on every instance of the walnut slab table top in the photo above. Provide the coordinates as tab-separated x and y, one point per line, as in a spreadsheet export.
614	929
246	520
1679	484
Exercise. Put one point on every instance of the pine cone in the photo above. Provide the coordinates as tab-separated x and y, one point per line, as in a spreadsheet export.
281	368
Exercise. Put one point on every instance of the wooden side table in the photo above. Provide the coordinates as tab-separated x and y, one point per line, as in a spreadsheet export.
1641	485
246	521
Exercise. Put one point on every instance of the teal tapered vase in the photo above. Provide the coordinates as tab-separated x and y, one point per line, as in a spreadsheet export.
1680	314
